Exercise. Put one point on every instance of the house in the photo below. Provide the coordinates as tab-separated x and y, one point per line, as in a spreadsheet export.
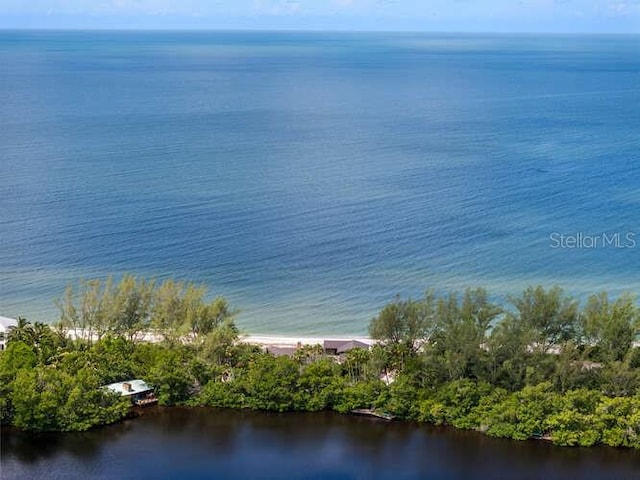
281	351
138	391
5	324
338	347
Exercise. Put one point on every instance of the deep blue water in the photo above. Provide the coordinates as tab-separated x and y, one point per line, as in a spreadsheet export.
311	177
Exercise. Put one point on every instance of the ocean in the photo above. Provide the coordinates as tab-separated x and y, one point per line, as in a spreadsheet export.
311	177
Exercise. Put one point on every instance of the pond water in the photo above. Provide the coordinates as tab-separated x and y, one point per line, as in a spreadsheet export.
227	444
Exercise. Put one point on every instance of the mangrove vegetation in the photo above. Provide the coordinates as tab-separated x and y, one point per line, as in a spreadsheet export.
542	366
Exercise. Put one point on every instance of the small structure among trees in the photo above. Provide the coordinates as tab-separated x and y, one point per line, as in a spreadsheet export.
335	348
339	347
137	390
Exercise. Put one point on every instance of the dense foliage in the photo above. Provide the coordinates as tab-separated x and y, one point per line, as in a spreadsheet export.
544	368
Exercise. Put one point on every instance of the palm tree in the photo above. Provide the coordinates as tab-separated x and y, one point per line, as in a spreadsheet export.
38	336
44	341
21	332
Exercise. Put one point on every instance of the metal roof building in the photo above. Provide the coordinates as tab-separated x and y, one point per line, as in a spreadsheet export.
130	387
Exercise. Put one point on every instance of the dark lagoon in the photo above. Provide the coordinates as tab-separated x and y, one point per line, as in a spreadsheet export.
222	444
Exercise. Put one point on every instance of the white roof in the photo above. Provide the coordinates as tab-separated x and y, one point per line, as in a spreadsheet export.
137	386
6	322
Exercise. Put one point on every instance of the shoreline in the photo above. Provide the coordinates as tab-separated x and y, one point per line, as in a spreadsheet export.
263	340
266	340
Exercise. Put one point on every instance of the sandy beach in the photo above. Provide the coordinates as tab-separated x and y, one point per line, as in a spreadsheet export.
282	341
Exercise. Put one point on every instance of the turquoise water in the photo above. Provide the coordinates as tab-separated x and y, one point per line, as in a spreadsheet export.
311	177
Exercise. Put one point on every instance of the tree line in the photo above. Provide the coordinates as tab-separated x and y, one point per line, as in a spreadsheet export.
544	366
135	306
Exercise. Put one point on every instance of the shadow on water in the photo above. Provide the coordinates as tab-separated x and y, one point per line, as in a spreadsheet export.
34	447
29	447
216	443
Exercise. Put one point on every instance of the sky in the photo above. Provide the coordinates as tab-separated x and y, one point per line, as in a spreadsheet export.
554	16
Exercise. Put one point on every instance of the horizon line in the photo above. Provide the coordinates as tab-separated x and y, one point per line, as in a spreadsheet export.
308	30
